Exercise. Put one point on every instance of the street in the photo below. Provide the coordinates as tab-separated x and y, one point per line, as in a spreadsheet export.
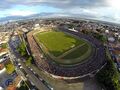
30	76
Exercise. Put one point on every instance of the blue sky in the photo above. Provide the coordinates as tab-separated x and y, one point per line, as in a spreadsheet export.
107	10
24	10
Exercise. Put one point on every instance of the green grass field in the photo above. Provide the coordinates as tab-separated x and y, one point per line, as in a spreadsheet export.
78	52
10	67
58	42
4	45
62	47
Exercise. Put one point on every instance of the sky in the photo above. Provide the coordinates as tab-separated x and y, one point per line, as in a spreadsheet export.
107	10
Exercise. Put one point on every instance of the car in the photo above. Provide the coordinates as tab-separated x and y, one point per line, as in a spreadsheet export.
27	75
18	59
36	75
28	67
32	83
21	67
19	64
51	88
119	69
33	88
31	69
41	79
34	72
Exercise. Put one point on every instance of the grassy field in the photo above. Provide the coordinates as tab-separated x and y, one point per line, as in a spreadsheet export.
63	48
58	42
78	55
10	67
79	52
4	45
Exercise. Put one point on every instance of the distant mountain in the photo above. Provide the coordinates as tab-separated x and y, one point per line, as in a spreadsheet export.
59	15
41	15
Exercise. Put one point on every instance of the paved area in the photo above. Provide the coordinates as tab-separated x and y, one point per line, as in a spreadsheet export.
61	84
31	77
91	84
85	84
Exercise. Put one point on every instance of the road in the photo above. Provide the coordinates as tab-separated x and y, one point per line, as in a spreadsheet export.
31	77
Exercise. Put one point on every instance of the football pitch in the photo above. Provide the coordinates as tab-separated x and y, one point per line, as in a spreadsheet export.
62	46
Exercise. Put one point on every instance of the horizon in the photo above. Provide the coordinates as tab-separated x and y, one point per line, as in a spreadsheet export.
104	10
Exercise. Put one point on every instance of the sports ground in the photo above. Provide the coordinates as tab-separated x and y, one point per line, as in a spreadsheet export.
64	48
66	54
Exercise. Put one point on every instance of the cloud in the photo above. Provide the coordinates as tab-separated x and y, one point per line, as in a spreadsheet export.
98	9
5	4
21	13
66	6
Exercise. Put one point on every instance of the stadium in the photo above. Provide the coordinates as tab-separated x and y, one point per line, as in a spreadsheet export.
66	54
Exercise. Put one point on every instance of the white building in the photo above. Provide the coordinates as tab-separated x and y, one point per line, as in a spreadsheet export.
1	88
36	26
107	31
111	39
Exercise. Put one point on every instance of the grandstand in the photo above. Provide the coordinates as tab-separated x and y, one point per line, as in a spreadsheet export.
88	67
